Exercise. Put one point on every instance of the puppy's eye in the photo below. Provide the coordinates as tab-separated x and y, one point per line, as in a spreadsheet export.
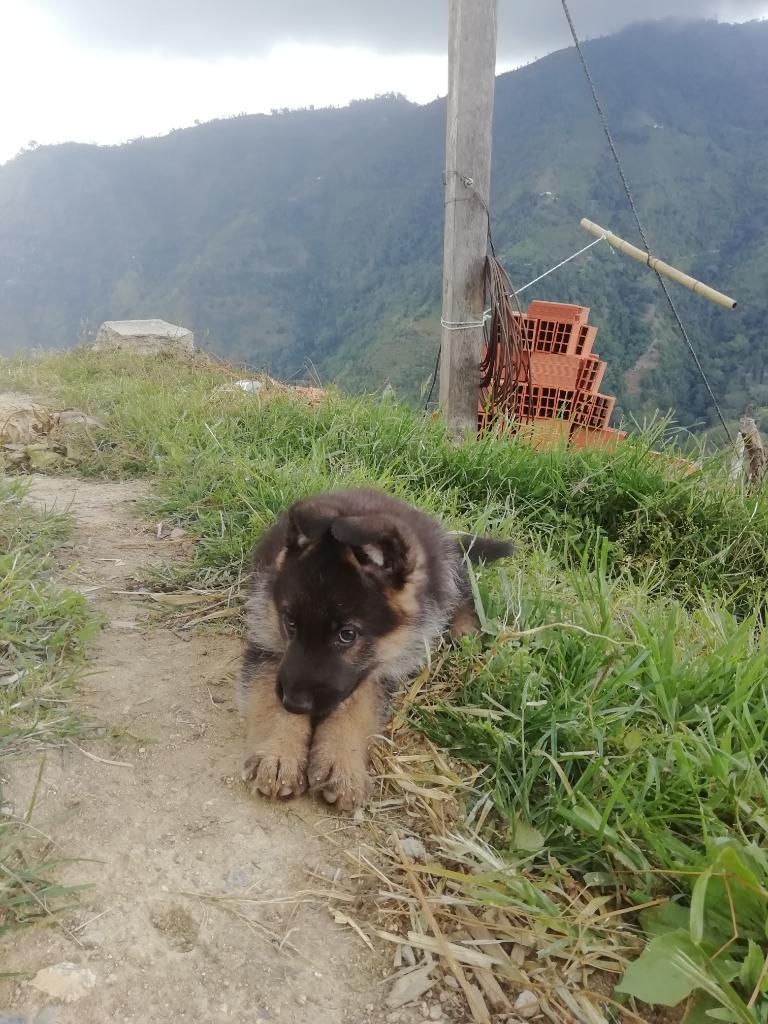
289	623
348	635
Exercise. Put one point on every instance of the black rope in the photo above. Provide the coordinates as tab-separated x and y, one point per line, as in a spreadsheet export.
434	378
631	201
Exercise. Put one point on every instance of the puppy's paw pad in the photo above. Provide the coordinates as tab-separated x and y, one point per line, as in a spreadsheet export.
275	776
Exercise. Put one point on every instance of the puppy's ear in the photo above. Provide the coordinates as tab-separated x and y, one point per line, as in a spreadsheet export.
378	544
307	522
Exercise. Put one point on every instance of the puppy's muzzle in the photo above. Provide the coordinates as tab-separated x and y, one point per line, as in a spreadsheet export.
297	703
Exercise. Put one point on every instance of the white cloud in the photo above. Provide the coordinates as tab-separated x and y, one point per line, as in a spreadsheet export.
63	91
213	28
108	70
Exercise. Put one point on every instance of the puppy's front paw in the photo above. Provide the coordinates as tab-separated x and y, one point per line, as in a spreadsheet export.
341	778
276	776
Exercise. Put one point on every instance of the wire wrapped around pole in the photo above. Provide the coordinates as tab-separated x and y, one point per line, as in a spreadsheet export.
505	370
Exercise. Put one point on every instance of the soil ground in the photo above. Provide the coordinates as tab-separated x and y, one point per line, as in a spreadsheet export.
177	821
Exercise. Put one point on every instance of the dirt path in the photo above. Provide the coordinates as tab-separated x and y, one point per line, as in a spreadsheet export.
177	821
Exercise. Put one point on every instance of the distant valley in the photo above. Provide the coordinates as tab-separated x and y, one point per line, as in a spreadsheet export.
313	238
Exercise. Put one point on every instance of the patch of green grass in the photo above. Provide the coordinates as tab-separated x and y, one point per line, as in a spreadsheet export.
43	627
624	733
617	698
710	955
43	632
226	463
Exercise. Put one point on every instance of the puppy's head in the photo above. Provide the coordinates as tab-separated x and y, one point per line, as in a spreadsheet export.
336	598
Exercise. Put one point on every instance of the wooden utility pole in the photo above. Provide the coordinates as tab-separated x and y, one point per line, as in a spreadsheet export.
471	80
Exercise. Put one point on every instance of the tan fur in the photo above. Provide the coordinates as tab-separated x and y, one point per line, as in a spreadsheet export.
277	741
464	622
401	652
263	620
338	765
410	582
306	546
407	600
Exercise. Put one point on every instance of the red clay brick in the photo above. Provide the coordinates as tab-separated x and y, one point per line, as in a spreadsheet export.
605	437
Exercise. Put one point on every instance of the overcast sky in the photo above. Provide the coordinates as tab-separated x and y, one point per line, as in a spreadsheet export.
108	70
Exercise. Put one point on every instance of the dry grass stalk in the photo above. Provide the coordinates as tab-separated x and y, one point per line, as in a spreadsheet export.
475	1001
463	907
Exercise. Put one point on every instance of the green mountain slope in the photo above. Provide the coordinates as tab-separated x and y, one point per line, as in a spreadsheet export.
317	235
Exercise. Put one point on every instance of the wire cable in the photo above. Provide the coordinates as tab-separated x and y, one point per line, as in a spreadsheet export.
638	222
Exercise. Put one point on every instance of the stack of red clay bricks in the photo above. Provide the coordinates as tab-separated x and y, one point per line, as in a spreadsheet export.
561	401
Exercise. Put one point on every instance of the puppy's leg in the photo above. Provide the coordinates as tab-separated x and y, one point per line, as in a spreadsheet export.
338	762
464	621
277	741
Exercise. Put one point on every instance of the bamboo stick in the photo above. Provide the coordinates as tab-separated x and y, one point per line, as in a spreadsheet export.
659	265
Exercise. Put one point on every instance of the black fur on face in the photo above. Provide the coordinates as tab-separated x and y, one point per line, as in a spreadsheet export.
331	596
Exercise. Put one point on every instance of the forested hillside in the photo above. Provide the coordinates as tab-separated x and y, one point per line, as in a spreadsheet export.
316	235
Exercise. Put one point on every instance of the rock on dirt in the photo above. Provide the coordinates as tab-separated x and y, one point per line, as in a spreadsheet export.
34	436
64	981
77	418
144	337
527	1004
22	419
410	986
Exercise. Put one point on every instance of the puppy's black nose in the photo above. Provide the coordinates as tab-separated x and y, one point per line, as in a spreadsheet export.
296	703
298	706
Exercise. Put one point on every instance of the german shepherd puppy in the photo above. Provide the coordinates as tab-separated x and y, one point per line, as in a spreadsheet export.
349	592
